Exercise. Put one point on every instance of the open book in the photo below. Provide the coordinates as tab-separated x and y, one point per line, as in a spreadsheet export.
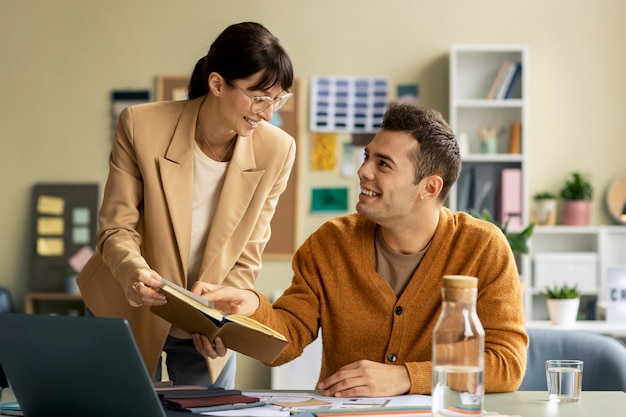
195	314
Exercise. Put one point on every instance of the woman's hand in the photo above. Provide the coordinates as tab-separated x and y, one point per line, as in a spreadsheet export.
206	348
229	300
143	288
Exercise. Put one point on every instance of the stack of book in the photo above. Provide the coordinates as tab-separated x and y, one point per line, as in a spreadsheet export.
507	82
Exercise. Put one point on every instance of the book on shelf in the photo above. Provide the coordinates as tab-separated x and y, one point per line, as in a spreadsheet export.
195	314
484	189
497	82
511	195
515	138
506	80
513	90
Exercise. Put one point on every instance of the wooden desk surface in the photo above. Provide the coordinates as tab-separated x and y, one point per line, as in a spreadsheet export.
536	404
532	404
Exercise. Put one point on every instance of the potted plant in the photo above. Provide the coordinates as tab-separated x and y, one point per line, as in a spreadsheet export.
563	302
488	138
544	208
517	241
576	195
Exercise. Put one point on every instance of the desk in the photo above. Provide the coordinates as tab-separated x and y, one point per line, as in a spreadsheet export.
536	404
597	326
533	404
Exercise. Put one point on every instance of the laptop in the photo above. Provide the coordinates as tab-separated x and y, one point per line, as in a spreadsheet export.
76	366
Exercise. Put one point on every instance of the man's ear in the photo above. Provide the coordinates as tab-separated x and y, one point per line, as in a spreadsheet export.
432	187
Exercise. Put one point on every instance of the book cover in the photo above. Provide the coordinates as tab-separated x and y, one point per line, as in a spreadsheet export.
493	91
511	197
512	90
195	314
484	184
465	189
506	80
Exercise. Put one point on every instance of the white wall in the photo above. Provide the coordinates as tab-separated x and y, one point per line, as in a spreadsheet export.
60	60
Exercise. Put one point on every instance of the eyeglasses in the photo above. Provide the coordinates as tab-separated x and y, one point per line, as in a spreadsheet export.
261	103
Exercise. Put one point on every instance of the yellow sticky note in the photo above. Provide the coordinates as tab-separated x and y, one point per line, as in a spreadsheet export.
48	246
50	205
324	151
50	226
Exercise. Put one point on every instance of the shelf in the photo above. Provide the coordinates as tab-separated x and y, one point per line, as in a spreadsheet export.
583	230
493	181
606	244
489	103
595	326
54	303
494	158
473	69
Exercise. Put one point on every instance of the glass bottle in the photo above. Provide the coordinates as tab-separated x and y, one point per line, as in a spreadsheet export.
458	351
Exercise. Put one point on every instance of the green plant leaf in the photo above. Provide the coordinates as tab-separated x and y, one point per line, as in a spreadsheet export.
577	187
517	241
561	292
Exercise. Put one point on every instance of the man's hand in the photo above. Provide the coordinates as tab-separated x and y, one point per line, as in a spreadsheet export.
229	300
367	379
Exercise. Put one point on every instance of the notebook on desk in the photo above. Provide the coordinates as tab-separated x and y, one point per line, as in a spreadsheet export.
76	366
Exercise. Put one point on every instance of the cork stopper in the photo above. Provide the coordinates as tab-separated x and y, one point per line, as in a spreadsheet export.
459	281
459	288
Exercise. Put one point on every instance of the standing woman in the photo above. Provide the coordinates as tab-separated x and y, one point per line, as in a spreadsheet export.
191	190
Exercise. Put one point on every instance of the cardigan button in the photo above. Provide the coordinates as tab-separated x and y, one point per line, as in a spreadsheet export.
398	310
392	357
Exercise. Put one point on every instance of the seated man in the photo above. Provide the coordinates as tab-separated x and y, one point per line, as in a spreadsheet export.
372	280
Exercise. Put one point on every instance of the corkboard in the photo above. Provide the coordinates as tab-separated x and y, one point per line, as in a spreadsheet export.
283	241
172	87
64	220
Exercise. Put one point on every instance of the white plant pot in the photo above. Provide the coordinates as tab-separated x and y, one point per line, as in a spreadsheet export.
563	312
544	212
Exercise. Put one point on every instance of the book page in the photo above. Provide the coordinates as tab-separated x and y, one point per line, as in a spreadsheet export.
188	293
253	324
192	301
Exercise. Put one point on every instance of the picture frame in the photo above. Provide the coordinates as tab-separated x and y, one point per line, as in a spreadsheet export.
172	86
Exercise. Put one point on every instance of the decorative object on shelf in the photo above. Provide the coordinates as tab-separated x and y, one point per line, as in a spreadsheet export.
576	196
517	241
69	282
544	208
616	199
563	303
488	139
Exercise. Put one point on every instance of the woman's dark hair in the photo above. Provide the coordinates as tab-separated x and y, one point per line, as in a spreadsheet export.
437	152
241	50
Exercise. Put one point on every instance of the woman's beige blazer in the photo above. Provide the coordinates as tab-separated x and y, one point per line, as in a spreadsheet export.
145	216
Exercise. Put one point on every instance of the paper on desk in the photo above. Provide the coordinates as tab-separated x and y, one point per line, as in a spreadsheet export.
283	403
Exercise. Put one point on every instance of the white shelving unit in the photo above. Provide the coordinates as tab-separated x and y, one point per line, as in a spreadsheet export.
473	69
581	255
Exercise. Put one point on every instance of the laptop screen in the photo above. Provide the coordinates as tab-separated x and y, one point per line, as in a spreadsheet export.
75	366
